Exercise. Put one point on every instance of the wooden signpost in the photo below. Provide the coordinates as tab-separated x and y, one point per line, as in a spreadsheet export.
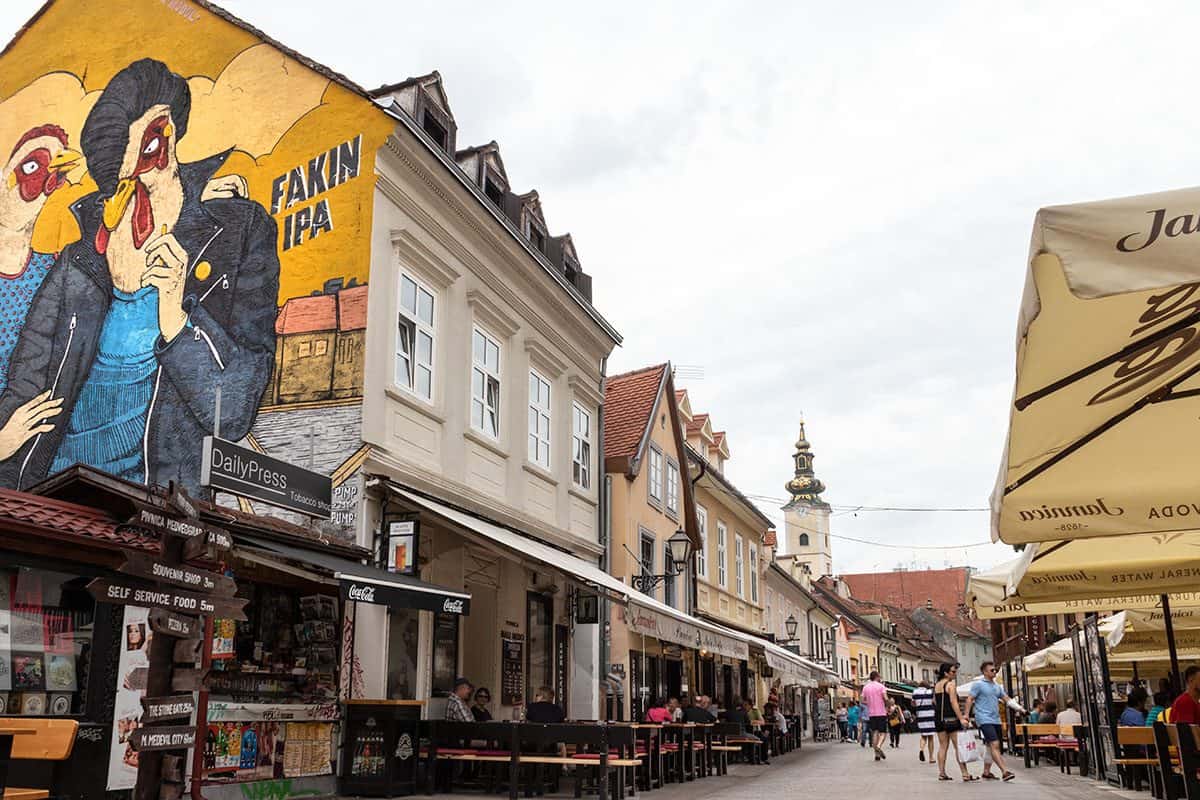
182	600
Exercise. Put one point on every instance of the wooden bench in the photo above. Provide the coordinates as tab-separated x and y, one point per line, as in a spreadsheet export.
33	739
1135	743
1038	737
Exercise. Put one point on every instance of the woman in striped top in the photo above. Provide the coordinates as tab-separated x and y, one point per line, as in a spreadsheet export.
923	703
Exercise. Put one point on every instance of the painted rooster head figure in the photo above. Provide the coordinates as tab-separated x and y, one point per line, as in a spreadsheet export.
129	140
37	166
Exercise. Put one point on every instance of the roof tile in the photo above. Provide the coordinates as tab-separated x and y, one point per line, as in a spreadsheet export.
628	402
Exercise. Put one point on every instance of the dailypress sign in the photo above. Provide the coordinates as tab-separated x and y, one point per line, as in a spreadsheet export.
229	467
397	596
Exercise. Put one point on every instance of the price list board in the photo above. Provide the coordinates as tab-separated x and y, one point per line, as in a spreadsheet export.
512	668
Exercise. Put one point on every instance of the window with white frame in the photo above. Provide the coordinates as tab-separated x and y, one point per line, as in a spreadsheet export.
702	551
722	540
539	419
414	338
767	615
485	384
672	488
654	481
753	573
581	447
739	579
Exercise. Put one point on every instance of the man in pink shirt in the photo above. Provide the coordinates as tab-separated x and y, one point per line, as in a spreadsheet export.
875	696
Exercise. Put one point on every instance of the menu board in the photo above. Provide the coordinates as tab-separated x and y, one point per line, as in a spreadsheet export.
562	663
512	668
1104	731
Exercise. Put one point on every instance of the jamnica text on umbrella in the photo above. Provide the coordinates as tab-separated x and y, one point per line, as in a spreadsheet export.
1060	512
1184	223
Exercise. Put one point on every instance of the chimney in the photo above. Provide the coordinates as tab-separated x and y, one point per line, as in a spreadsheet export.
929	604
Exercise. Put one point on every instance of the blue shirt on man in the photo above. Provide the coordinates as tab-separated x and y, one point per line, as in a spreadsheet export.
1131	716
987	696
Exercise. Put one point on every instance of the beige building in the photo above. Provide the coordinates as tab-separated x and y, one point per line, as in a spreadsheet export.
731	560
482	405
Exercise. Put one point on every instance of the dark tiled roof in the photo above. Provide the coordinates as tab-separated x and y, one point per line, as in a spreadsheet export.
59	518
629	401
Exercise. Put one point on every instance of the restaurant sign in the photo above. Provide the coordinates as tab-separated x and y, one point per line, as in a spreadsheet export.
793	670
689	634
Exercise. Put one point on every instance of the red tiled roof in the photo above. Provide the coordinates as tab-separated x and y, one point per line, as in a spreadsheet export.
307	314
697	423
946	588
628	403
57	516
352	308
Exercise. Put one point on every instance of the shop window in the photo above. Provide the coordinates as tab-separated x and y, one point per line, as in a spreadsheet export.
46	622
539	626
445	653
402	654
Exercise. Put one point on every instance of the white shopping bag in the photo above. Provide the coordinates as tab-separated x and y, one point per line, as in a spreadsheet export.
968	748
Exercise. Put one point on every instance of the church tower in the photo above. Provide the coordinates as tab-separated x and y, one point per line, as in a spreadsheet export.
804	548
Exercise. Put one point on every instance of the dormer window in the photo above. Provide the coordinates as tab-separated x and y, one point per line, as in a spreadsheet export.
537	238
571	268
493	189
434	128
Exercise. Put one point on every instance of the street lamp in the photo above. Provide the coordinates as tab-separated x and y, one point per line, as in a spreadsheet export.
679	549
790	625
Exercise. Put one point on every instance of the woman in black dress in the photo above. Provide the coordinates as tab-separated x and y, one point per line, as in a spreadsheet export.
948	720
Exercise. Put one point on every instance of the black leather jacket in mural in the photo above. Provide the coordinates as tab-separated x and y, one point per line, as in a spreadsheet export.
229	340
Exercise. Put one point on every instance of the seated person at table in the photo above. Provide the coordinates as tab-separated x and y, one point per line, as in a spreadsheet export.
479	707
675	710
543	708
740	714
696	711
1162	701
457	709
1035	714
1135	708
775	718
1069	715
657	712
1186	707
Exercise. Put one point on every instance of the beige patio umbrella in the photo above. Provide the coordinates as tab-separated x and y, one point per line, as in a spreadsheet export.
988	591
1106	409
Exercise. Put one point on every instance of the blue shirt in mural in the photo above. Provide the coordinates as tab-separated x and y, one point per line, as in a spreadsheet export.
109	419
16	295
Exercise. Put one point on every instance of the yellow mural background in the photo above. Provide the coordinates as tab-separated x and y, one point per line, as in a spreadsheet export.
275	112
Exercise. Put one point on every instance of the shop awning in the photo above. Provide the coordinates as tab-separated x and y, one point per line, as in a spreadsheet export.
581	570
366	584
790	666
647	616
899	689
1106	391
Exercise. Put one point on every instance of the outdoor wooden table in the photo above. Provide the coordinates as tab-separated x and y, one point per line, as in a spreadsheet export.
7	732
653	776
685	766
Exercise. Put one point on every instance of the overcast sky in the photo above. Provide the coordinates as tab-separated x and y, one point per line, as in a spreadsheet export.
827	209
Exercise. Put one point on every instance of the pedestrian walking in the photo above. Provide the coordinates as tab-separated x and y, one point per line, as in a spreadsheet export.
852	720
843	722
875	696
923	702
864	723
895	722
985	698
948	720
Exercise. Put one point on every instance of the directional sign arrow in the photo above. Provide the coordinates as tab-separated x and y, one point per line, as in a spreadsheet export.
156	709
177	625
165	737
128	594
158	569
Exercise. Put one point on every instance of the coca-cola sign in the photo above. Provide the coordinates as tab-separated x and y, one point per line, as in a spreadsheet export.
365	594
452	605
402	592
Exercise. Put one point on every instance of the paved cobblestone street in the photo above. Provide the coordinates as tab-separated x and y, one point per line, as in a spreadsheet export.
832	770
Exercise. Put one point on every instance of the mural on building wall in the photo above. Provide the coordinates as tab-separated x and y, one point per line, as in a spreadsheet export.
183	207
